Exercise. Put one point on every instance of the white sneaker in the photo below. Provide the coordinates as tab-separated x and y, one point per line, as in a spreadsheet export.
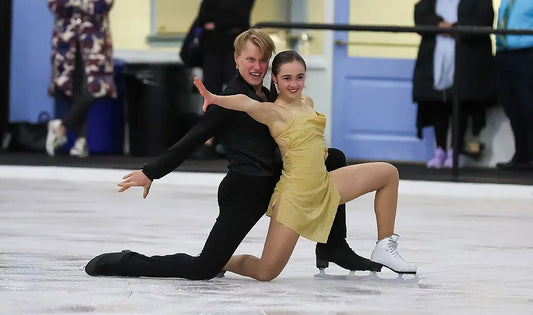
386	254
80	148
54	139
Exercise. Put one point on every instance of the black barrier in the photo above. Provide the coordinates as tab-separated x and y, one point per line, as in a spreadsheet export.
5	64
455	31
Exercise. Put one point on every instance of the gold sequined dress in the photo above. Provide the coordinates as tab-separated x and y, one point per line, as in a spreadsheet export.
305	195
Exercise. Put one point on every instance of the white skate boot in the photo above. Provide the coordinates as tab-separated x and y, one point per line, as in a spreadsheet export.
386	254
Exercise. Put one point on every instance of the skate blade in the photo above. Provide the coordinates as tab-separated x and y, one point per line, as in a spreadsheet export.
371	277
395	277
323	275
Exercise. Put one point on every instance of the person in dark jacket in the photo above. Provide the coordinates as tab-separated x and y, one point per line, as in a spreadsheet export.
244	193
221	22
435	73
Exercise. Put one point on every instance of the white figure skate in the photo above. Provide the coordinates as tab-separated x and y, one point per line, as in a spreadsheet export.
386	254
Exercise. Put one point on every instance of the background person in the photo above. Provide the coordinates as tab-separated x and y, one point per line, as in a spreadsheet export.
435	73
82	67
221	21
514	64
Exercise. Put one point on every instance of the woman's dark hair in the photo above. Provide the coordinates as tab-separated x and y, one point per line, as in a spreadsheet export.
281	59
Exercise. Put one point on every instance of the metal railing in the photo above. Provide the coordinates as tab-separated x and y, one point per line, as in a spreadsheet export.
455	31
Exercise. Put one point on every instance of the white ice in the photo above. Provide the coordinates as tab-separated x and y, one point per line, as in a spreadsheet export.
472	244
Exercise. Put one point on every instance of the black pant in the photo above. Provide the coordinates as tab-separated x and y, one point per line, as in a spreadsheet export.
439	115
81	101
441	124
243	200
515	90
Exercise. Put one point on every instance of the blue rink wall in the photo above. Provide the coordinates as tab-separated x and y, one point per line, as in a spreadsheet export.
30	60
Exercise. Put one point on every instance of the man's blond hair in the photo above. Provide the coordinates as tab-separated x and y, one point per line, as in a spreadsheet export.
258	38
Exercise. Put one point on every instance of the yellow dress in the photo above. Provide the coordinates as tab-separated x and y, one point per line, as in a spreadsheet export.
305	195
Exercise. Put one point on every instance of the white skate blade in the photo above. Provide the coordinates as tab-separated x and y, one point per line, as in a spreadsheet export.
398	272
366	276
395	277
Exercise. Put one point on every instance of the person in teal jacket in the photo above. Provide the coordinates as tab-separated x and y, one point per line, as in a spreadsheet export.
514	61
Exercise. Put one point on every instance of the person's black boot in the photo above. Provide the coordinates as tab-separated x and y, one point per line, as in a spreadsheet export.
343	256
107	264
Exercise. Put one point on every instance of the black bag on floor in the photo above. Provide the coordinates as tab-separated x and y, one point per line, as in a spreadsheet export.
26	136
191	52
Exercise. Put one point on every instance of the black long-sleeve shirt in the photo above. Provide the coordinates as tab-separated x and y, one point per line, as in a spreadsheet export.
250	147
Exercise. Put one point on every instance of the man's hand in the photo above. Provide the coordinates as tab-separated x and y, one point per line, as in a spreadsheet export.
136	179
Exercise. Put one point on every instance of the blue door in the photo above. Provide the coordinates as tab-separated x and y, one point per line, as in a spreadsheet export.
373	115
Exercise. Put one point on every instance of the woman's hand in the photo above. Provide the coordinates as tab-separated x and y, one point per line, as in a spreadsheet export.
209	26
444	24
208	96
136	179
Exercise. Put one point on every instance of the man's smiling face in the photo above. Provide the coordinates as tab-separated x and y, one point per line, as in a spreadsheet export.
251	63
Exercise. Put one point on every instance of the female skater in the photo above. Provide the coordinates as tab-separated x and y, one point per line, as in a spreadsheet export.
306	197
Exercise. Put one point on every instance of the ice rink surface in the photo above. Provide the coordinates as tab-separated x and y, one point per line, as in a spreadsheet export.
472	243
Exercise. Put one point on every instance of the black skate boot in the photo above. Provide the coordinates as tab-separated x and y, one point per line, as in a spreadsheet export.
343	256
107	264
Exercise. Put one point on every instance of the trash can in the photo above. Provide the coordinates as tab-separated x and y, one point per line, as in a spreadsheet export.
161	105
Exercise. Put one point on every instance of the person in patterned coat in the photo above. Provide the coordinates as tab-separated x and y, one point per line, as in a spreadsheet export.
82	67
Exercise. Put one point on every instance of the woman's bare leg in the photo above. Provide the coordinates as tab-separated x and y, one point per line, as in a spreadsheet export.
279	244
356	180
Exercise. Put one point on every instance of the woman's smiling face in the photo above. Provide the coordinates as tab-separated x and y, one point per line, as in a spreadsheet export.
291	80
